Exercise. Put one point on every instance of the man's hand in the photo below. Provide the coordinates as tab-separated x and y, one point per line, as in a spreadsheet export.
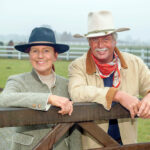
144	110
129	102
64	103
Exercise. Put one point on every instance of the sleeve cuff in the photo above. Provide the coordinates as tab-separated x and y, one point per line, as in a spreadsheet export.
110	96
47	106
147	92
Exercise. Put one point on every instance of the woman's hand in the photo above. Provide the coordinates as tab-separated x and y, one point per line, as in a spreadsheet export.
64	103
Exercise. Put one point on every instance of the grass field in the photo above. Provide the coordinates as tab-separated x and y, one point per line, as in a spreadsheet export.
11	66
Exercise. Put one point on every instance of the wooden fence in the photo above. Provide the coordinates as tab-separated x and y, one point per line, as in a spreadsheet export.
84	115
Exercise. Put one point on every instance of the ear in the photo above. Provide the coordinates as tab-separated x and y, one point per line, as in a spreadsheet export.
114	43
56	56
89	41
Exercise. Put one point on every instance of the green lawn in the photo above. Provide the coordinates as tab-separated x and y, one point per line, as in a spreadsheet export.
143	130
12	66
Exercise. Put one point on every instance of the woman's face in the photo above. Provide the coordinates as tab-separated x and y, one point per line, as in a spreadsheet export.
42	58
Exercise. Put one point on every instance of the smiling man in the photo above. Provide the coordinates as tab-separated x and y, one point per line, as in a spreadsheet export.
107	76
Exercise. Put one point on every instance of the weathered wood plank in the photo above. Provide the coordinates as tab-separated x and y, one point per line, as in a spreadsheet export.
98	133
82	112
138	146
53	136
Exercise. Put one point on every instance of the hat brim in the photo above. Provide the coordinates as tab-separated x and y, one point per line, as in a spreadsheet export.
60	48
100	33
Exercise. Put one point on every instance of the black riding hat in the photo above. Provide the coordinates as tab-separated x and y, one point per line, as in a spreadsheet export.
42	36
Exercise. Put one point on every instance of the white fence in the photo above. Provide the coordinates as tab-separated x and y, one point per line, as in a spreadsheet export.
73	53
10	52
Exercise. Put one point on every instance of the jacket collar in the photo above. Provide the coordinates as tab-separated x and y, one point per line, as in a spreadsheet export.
37	77
34	74
90	64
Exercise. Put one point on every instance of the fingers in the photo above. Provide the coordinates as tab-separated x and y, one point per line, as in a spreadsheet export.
66	108
133	111
141	110
134	108
144	111
71	109
132	114
64	103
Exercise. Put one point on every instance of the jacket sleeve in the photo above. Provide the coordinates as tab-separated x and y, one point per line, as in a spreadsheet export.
144	77
80	91
13	96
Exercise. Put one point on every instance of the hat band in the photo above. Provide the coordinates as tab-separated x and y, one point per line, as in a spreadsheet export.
97	31
41	42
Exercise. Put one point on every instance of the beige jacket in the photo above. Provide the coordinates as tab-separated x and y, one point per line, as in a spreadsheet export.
85	85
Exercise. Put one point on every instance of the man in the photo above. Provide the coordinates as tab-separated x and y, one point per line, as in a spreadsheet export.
107	76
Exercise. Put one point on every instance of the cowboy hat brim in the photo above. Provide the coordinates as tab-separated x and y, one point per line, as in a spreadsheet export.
60	48
100	33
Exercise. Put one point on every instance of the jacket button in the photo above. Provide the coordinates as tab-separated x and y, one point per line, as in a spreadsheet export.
34	105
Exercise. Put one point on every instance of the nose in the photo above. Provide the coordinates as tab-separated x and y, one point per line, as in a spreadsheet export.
40	55
100	43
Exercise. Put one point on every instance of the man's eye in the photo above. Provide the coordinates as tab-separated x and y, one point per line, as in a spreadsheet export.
106	39
94	40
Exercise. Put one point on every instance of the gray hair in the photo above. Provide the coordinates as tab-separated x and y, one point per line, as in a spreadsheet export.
115	36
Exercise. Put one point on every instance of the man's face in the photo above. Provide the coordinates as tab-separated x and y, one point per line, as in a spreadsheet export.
103	48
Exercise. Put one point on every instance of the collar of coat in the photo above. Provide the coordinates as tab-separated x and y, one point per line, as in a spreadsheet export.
37	77
90	64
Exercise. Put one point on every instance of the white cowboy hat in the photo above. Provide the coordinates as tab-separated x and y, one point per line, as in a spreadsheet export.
100	24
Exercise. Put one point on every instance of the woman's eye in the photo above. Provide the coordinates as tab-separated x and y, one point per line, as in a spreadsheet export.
46	50
34	51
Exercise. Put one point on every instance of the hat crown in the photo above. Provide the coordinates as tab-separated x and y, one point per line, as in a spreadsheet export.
42	34
100	24
101	20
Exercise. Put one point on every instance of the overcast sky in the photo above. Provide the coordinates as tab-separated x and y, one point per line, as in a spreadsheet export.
21	16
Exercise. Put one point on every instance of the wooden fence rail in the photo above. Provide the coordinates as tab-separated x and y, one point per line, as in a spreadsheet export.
82	112
84	115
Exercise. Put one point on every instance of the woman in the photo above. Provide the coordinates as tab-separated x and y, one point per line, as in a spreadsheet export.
38	89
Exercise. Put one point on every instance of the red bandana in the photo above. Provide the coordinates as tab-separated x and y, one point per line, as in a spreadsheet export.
107	69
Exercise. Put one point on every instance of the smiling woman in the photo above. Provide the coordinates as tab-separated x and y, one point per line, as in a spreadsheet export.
39	89
42	58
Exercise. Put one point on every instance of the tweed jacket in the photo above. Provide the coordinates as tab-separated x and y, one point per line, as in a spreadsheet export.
86	85
27	90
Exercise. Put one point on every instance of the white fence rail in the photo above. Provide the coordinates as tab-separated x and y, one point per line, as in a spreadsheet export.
73	53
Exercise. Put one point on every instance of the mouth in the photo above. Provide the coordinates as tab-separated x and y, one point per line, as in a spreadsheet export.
101	49
40	62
